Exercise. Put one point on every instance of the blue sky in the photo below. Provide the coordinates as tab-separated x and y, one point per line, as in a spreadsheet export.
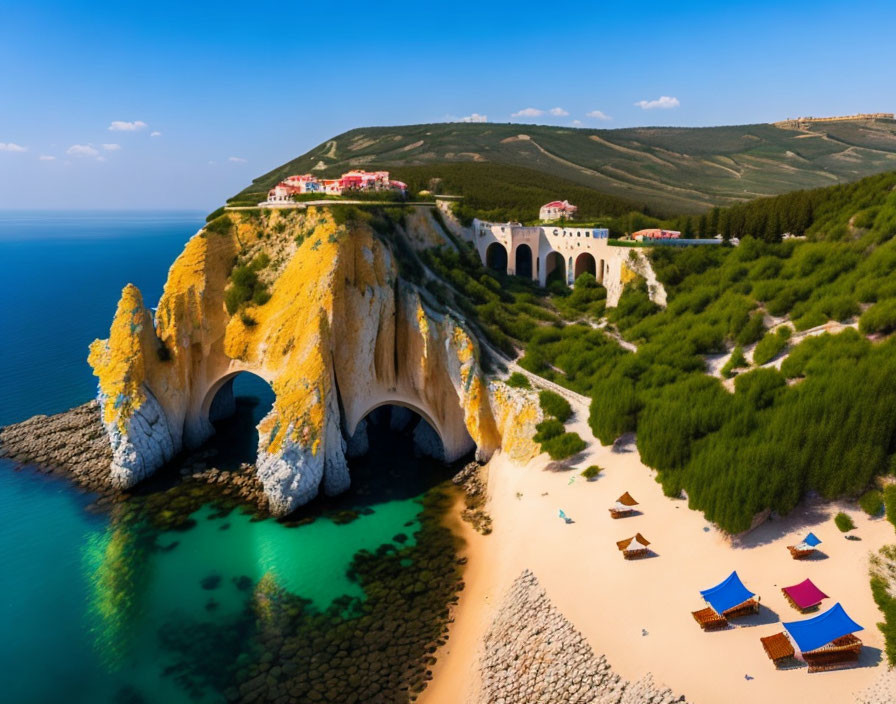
206	96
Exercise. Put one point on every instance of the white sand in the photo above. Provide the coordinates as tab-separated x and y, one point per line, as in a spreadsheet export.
611	600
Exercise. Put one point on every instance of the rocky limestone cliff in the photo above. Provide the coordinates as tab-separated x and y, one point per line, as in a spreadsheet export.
341	334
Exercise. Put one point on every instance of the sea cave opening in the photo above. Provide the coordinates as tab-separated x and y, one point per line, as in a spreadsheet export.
395	453
236	410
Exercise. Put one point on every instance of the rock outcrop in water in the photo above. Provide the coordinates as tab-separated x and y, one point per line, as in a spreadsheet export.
341	333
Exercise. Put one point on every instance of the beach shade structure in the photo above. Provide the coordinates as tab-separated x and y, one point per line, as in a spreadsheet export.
624	506
806	548
634	548
804	596
826	641
727	600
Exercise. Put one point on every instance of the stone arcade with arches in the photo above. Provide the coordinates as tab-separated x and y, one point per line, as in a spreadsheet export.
546	253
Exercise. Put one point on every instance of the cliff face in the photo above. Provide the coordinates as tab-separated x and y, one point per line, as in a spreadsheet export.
340	335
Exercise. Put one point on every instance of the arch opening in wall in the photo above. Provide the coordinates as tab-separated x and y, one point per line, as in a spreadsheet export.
496	257
554	268
235	406
523	261
585	264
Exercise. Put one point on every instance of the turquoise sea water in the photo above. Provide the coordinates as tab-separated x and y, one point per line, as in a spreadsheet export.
89	606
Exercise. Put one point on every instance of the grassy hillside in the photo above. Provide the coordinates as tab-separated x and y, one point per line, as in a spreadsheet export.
668	170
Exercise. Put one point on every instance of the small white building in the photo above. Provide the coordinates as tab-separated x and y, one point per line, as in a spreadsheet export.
557	210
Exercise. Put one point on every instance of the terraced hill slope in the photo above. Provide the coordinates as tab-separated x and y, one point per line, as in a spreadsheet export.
667	169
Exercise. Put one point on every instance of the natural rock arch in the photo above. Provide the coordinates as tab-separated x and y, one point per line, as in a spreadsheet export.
585	263
340	334
496	257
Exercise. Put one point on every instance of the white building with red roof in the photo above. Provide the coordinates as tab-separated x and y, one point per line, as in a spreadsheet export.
557	210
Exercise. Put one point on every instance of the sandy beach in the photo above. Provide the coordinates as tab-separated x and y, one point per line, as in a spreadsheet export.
614	602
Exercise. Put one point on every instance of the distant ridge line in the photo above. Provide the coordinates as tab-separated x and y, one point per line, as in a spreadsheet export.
839	118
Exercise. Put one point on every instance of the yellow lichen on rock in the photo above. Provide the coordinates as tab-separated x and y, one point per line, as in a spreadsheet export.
339	334
120	362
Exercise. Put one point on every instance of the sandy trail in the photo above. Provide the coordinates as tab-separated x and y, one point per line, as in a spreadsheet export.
611	600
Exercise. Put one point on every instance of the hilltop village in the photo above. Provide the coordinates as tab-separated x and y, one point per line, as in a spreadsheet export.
351	182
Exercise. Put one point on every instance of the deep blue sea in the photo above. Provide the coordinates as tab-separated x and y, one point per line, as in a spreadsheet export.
82	611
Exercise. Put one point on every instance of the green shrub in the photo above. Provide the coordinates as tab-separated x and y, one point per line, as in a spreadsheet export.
215	214
518	380
548	429
563	446
591	472
880	317
245	285
752	331
219	226
553	404
768	348
890	503
872	502
735	361
844	522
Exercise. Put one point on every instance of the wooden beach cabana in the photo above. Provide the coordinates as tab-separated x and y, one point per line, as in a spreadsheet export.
634	548
806	548
729	599
825	642
624	506
804	596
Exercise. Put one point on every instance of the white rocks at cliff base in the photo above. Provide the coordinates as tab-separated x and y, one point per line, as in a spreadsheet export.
532	654
146	445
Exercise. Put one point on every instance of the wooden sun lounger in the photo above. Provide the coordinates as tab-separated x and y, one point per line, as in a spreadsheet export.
750	606
779	649
843	651
621	513
797	554
709	620
635	554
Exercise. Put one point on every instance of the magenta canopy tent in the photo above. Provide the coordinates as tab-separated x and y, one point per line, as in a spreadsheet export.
805	594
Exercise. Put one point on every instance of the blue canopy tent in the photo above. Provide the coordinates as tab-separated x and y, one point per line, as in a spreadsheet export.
813	633
812	540
727	594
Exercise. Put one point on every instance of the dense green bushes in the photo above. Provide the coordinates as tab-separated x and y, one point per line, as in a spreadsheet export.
518	381
881	317
245	286
553	404
844	522
771	345
555	441
872	502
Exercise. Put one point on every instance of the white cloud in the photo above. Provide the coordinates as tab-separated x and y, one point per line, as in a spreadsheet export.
46	157
665	102
155	133
81	150
101	158
122	126
236	159
475	117
12	147
559	112
528	112
576	123
111	147
212	163
599	115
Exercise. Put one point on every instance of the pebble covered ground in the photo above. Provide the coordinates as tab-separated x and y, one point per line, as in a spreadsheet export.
74	444
533	654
